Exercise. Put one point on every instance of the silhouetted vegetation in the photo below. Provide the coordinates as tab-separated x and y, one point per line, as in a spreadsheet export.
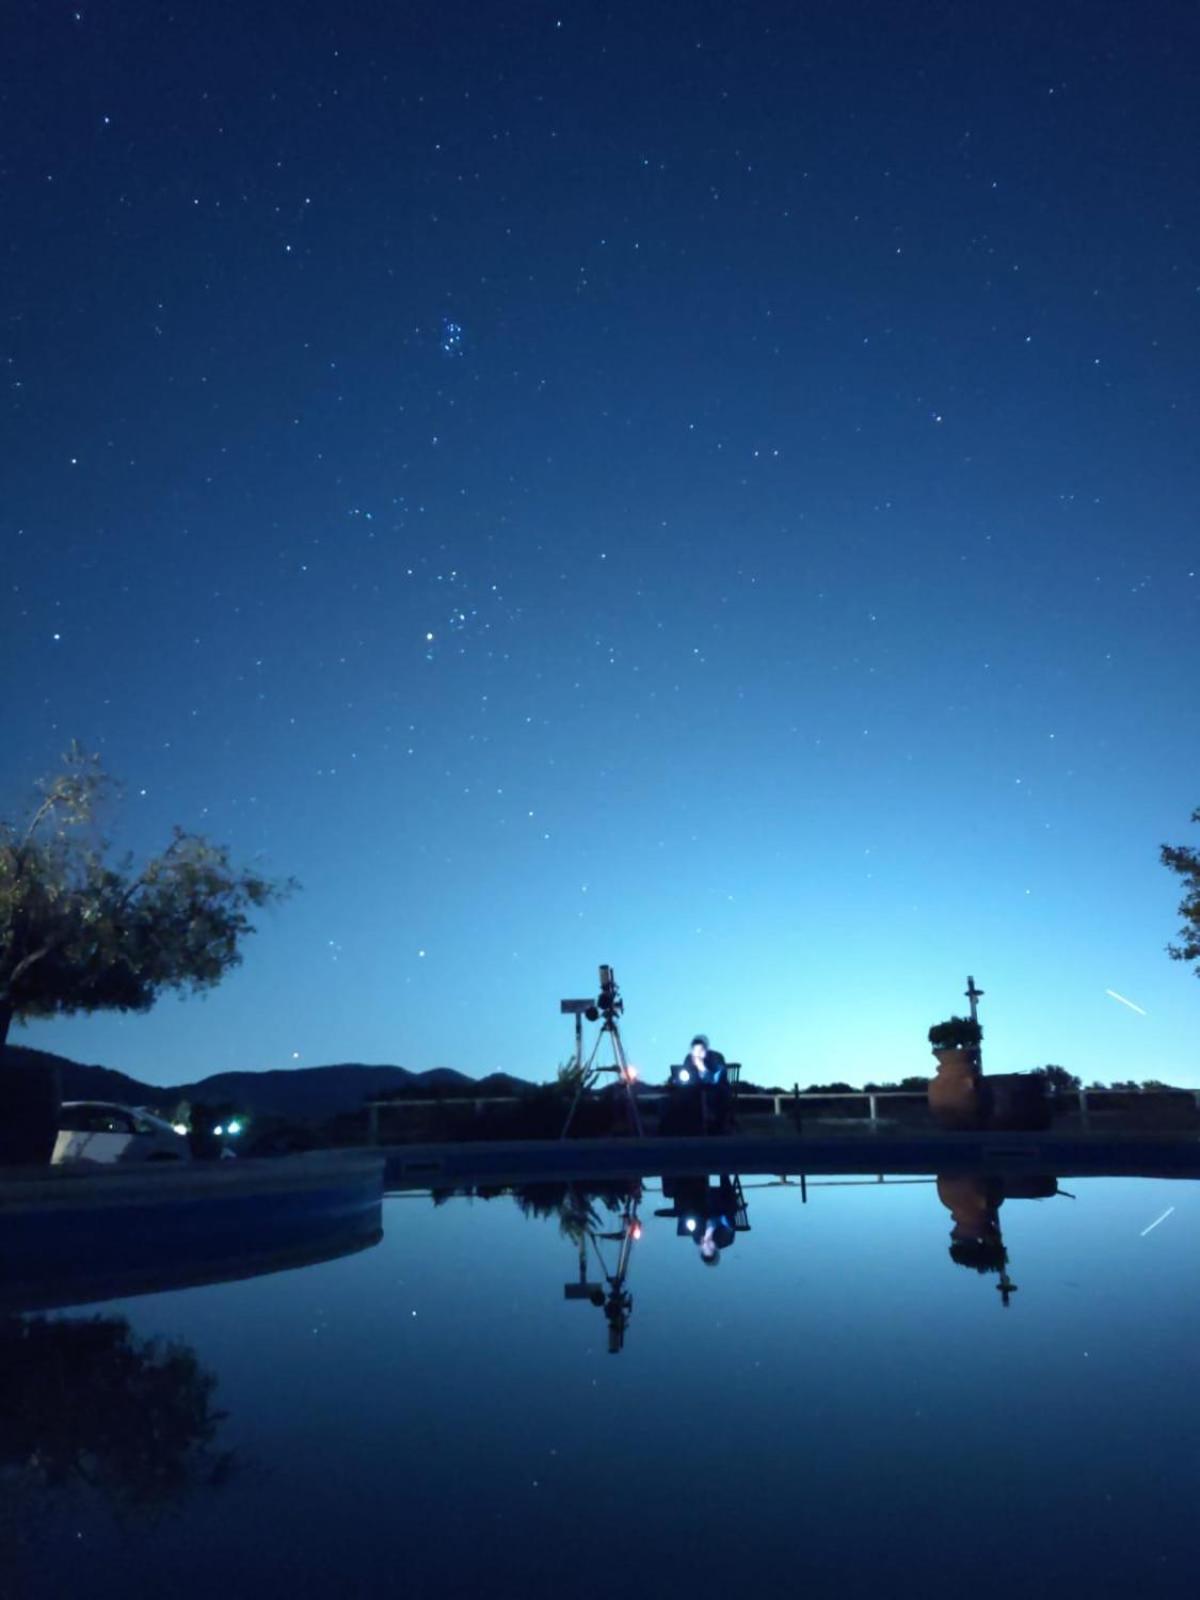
83	1403
1058	1079
955	1033
1185	861
81	931
537	1112
573	1204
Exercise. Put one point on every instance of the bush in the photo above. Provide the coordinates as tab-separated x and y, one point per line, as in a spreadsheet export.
955	1033
1058	1079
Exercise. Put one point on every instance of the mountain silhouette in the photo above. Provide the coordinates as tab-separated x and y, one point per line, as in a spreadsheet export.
303	1092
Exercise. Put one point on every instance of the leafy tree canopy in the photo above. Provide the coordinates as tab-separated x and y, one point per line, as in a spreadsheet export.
1058	1078
1186	862
82	931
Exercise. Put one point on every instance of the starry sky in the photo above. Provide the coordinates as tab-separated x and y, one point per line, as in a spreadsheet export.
706	488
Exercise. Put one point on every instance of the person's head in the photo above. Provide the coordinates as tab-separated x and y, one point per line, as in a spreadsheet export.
699	1048
709	1253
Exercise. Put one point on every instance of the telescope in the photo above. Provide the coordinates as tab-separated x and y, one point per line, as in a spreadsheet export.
609	1005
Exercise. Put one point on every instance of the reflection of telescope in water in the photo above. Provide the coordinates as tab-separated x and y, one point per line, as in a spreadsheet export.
612	1293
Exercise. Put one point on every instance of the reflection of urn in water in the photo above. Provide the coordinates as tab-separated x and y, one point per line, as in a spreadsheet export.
974	1203
975	1239
956	1095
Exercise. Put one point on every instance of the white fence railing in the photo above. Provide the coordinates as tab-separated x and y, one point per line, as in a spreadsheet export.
1084	1100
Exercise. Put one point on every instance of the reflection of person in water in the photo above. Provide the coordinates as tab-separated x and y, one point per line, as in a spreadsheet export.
703	1073
707	1214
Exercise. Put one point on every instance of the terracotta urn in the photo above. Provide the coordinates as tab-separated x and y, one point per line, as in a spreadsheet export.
956	1094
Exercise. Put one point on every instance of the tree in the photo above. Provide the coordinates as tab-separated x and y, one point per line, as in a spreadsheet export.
1186	862
80	931
87	1402
1058	1079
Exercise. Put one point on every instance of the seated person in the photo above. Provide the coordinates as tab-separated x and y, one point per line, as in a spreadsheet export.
702	1065
702	1074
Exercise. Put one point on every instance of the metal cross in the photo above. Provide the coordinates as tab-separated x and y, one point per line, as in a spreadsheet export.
973	994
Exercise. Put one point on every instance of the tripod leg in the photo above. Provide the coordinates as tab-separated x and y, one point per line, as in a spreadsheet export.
635	1115
571	1113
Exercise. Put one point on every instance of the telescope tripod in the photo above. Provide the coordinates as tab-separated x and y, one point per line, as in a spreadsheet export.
590	1074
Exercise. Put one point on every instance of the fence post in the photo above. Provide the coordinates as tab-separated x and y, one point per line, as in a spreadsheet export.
871	1102
1083	1109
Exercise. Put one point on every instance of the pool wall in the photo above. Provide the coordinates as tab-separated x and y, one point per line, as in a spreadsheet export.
70	1237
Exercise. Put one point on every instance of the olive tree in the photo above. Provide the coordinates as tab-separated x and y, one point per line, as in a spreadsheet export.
83	1401
82	930
1186	862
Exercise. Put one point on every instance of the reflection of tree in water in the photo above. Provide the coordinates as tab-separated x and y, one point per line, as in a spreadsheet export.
574	1204
85	1402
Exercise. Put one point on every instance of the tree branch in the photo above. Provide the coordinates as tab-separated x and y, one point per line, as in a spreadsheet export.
47	805
28	961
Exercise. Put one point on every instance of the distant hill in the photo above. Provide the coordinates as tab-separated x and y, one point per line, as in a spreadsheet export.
303	1092
498	1083
80	1082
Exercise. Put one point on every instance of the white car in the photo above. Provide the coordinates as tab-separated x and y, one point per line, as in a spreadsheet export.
101	1133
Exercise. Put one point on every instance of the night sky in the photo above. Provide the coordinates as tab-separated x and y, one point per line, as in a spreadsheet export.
707	488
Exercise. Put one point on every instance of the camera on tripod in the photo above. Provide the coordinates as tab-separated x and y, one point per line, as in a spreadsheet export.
609	1005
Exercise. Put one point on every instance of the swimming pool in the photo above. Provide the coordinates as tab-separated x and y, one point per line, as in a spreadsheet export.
877	1386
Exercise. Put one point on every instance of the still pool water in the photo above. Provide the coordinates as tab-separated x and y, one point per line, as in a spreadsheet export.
837	1407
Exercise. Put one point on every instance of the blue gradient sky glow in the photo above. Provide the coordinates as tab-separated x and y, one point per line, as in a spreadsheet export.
709	489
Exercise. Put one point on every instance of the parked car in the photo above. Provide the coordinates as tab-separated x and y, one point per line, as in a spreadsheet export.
98	1132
